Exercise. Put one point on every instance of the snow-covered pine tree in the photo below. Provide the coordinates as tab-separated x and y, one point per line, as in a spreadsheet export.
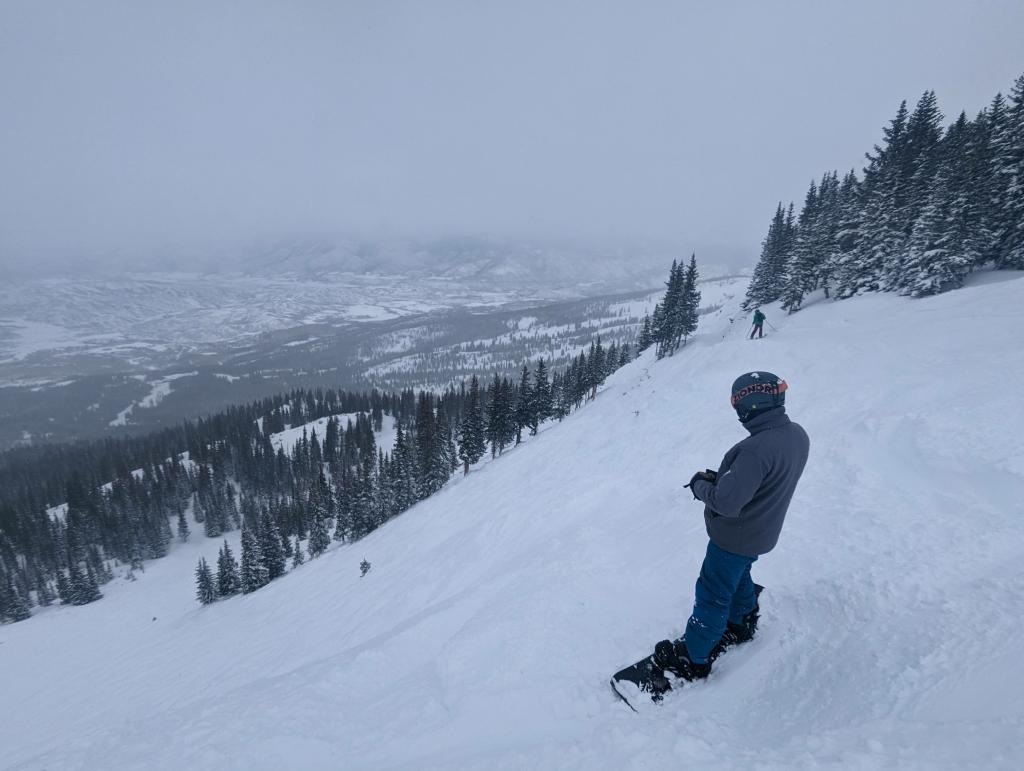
943	244
205	590
332	441
64	588
472	440
541	407
363	499
388	487
228	581
426	442
270	546
916	160
843	268
1008	165
253	573
921	156
183	530
689	302
319	534
802	265
13	606
666	314
676	310
496	416
881	232
443	452
524	400
405	470
646	337
82	588
766	282
827	240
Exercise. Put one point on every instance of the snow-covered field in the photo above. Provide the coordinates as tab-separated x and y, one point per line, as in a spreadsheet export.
160	388
287	439
494	613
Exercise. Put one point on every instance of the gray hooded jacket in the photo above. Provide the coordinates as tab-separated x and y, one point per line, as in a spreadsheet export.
747	504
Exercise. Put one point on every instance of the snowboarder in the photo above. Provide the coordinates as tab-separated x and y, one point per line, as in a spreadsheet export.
758	324
745	504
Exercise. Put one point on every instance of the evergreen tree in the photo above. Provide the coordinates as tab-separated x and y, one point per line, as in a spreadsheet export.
498	416
297	558
942	245
646	336
689	315
766	282
659	329
228	580
83	588
802	266
319	536
253	573
64	588
541	405
426	444
472	439
827	231
846	236
882	230
524	404
271	553
13	606
1008	182
625	355
205	591
665	331
915	162
183	530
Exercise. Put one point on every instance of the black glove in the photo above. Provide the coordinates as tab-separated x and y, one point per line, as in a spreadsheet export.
707	475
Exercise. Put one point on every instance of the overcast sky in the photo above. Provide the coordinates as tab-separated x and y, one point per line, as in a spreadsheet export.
133	124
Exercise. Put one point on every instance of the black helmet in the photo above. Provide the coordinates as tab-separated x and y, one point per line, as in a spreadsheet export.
757	392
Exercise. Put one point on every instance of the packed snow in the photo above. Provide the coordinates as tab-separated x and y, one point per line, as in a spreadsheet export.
495	612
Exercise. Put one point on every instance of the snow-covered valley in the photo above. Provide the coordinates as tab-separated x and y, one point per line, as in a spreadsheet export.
495	611
186	346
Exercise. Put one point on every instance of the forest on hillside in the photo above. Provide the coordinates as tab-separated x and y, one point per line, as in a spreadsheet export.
931	206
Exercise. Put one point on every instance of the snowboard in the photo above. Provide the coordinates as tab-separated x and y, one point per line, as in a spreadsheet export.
647	678
644	677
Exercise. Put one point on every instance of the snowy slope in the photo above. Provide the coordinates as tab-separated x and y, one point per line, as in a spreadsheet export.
287	439
484	635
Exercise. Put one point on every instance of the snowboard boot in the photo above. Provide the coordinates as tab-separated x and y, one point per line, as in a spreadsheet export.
737	633
674	657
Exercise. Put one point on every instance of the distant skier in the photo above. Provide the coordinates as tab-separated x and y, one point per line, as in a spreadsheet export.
758	324
745	504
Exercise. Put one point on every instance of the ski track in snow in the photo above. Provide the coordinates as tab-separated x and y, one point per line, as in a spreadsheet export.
495	612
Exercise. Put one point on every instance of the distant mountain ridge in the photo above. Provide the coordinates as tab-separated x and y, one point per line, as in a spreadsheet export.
509	263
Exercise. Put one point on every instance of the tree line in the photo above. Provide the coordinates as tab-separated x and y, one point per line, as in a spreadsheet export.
676	315
354	494
123	501
931	206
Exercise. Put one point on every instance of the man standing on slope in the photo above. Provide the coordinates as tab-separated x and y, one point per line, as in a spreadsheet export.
745	504
758	324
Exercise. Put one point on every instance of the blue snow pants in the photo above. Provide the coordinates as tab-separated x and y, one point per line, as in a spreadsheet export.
725	592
